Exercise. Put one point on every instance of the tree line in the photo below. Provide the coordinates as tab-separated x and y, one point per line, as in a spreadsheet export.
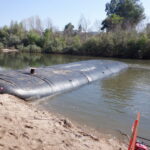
117	35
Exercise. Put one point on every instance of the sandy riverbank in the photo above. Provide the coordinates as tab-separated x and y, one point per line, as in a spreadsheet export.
5	50
24	127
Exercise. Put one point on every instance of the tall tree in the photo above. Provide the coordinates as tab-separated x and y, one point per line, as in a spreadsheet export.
128	13
38	25
84	23
68	30
112	23
80	28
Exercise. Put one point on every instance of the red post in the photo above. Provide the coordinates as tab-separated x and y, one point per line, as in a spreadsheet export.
133	138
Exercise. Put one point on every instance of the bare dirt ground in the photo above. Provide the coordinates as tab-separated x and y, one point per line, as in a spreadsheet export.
24	127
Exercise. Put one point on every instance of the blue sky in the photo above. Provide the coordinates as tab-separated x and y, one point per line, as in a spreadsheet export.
60	11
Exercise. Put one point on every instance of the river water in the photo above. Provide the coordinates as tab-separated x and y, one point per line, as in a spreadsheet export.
108	105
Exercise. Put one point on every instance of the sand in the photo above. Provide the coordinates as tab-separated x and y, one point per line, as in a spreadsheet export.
8	50
25	127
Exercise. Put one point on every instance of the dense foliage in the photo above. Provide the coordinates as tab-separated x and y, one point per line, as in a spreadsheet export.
122	44
125	14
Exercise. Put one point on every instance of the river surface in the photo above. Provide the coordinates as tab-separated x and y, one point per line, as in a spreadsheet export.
107	105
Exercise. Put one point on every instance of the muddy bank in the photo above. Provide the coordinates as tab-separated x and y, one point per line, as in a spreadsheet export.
25	127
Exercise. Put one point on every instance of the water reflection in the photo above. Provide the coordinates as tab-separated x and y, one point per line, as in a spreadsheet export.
23	60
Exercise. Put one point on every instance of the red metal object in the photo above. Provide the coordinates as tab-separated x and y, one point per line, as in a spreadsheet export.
140	146
133	139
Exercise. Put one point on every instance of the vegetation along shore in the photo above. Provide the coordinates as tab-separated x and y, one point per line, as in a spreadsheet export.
117	35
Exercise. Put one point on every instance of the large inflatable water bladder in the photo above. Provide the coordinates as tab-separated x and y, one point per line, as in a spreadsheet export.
32	84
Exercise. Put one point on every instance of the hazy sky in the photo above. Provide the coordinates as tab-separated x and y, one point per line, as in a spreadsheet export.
60	11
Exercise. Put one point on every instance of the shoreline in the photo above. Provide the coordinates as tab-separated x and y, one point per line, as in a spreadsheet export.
9	50
25	127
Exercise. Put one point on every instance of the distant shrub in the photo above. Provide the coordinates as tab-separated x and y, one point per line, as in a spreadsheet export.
20	47
35	49
30	48
13	41
1	45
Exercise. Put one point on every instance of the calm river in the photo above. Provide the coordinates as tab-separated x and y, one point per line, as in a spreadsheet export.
107	105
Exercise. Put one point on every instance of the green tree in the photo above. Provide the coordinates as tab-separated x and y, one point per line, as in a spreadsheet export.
1	45
68	30
131	11
47	37
80	28
13	40
112	22
4	35
33	37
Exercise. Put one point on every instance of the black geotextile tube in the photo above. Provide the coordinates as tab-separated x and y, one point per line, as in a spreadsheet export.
46	81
